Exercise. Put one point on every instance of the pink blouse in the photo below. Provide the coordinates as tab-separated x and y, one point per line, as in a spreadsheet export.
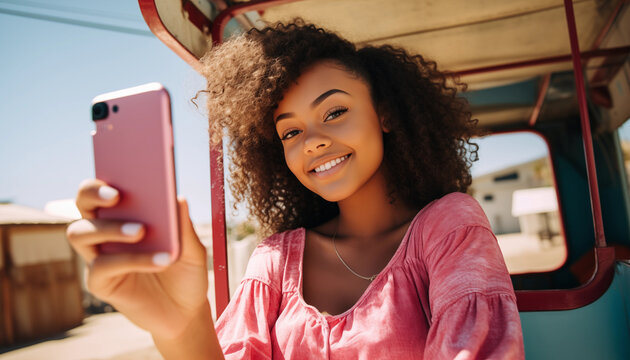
445	294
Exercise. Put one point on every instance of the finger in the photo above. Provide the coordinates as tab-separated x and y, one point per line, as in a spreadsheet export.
85	234
106	267
95	193
192	248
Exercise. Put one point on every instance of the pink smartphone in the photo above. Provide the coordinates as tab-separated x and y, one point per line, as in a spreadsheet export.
133	152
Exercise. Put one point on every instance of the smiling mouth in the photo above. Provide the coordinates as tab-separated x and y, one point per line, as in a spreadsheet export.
330	164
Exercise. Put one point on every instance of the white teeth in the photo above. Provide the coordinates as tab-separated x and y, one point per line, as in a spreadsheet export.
330	164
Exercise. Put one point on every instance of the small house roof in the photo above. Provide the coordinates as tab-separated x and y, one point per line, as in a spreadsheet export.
13	214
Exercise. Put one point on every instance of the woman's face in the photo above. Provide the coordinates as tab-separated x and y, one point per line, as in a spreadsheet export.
331	134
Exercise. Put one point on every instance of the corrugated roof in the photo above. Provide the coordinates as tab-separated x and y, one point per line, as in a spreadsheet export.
18	214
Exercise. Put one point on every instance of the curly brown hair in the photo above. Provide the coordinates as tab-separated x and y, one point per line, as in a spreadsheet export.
427	152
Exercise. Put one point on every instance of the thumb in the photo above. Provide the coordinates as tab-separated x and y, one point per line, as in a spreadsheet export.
191	245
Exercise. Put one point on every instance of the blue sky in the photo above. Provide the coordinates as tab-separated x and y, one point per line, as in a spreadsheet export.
624	131
51	71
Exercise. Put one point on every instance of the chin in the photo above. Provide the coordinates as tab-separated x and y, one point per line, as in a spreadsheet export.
334	196
331	198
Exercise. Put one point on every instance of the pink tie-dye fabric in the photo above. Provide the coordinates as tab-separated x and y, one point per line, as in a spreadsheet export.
445	294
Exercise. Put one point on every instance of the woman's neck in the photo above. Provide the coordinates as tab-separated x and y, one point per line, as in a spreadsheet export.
370	212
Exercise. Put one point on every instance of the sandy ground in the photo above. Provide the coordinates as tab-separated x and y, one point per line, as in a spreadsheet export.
105	336
108	336
527	253
112	337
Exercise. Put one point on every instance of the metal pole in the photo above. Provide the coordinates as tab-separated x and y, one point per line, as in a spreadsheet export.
217	191
616	51
226	15
542	91
591	171
219	240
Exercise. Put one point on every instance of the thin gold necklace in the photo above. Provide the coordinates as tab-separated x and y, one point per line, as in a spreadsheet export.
368	278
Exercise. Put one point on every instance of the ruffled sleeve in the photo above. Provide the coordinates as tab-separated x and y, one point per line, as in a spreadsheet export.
476	326
244	327
472	302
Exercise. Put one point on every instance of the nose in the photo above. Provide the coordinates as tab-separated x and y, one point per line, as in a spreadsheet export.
315	142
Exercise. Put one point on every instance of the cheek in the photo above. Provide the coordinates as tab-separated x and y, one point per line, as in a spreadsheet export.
294	160
372	141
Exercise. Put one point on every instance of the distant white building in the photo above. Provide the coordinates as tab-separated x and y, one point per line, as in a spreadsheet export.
495	190
537	211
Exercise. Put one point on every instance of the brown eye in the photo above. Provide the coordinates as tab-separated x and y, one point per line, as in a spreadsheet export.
290	134
335	112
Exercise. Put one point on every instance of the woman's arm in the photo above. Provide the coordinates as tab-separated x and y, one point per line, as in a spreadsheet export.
474	312
473	307
169	300
197	341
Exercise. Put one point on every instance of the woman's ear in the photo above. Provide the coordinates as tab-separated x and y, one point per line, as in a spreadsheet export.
385	126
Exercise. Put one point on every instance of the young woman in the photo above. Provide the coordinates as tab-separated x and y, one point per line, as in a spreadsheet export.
357	161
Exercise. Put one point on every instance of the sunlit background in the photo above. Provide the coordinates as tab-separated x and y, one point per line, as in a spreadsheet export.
56	56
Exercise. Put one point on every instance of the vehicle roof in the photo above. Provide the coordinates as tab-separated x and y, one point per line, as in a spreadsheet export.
465	37
460	35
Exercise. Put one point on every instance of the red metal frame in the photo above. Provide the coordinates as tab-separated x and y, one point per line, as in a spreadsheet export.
548	300
152	18
219	249
622	50
591	172
219	239
539	101
610	65
540	300
527	300
602	34
196	17
555	186
226	15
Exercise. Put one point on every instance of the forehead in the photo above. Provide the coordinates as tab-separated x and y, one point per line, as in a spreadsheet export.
316	80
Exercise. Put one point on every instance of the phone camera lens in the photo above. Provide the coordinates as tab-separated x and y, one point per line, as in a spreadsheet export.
115	108
99	111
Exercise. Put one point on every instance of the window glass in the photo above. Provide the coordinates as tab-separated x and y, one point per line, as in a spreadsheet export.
514	184
624	142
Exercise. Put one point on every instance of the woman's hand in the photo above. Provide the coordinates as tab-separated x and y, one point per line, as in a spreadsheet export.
159	297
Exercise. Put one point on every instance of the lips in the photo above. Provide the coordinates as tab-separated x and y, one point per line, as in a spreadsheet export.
332	163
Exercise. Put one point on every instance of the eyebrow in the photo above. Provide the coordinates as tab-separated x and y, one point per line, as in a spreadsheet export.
315	102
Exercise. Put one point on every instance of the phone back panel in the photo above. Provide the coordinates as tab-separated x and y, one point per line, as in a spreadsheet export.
133	152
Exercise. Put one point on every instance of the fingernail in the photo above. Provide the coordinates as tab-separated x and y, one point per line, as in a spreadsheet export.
162	259
131	228
107	193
